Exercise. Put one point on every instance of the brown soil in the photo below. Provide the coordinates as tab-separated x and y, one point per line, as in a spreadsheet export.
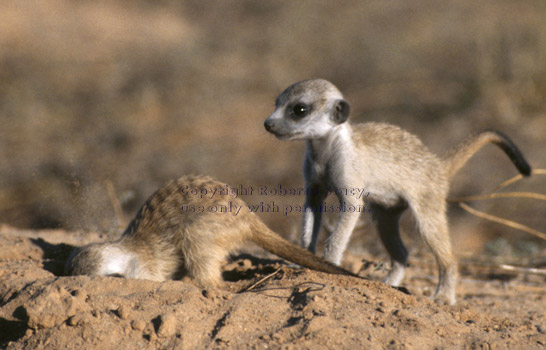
293	309
102	102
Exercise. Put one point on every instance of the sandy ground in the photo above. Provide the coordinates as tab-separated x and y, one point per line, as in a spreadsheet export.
102	102
292	309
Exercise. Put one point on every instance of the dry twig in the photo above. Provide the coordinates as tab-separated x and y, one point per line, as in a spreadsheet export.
494	194
532	270
261	280
503	221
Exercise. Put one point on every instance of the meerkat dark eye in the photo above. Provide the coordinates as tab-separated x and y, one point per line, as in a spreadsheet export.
300	110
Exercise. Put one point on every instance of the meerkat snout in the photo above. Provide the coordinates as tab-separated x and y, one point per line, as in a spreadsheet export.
269	125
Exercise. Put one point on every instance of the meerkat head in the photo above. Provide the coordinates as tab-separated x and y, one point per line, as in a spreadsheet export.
309	109
83	261
101	259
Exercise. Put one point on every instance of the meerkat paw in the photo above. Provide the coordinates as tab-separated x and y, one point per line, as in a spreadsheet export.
396	275
444	298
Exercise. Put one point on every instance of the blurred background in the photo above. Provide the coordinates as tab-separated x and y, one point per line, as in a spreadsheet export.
102	102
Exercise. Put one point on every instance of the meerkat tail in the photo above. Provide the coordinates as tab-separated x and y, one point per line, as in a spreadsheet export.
459	155
272	242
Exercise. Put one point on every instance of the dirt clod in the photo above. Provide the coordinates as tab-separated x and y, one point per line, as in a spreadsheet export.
51	307
167	325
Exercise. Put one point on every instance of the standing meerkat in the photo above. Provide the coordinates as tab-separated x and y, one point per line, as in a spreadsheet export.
392	165
188	227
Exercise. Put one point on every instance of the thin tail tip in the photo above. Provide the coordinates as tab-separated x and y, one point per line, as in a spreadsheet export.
522	165
513	152
526	170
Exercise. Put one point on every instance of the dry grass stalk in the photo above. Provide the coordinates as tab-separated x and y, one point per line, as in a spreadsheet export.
502	221
260	281
517	178
532	270
493	195
501	195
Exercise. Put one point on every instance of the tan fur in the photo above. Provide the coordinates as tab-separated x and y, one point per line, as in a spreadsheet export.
391	164
165	242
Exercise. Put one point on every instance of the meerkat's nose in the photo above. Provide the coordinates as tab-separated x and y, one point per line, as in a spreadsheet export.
269	124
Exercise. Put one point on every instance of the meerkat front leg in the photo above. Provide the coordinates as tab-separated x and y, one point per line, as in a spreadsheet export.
312	217
338	240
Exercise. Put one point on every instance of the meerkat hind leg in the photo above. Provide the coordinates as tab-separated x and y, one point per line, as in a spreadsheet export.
205	267
432	224
387	224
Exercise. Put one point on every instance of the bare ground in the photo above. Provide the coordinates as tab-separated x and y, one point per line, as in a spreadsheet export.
293	309
102	102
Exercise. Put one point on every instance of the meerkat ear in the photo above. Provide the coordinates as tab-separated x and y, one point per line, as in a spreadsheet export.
341	111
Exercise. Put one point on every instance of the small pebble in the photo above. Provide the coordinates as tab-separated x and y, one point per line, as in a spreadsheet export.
138	325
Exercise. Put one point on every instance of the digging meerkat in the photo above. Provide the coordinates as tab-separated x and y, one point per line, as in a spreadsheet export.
393	165
188	227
